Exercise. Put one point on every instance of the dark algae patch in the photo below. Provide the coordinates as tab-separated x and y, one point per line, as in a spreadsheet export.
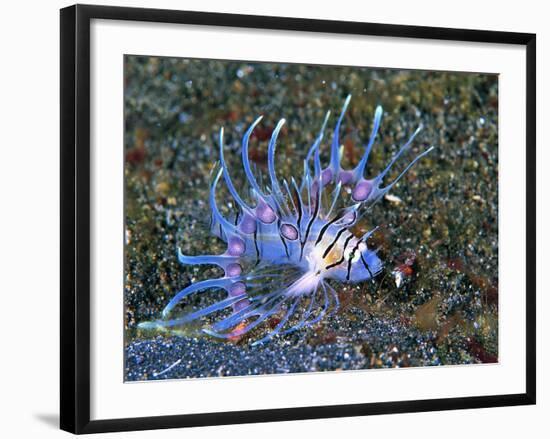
436	300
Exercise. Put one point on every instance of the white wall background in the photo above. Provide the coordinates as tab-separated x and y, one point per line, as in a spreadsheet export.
29	206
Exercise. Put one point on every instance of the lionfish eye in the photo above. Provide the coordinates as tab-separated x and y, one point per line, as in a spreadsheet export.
354	254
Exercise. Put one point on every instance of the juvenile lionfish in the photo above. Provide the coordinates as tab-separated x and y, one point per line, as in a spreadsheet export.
284	247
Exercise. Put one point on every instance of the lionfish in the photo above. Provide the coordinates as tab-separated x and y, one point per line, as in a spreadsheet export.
284	246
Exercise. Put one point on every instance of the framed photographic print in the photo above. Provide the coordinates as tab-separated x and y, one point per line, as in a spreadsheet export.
284	218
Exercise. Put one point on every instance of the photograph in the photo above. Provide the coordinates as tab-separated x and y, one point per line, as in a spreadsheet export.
291	218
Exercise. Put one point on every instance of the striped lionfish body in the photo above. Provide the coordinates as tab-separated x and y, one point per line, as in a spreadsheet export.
288	240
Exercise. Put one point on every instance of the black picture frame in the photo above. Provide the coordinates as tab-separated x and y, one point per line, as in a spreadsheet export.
75	217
